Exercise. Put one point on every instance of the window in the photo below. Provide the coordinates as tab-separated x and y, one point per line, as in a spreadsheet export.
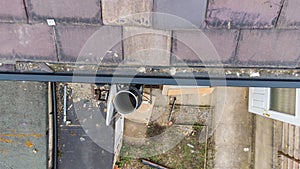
281	104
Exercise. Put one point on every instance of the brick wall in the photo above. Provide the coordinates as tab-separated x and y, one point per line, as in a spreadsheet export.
229	33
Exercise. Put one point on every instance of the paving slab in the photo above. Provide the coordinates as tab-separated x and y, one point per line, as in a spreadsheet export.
23	124
68	11
263	143
232	156
234	134
233	138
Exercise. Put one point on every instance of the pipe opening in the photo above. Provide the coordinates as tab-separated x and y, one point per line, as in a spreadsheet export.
125	102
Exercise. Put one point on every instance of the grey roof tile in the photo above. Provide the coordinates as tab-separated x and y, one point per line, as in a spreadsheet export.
242	14
12	10
89	44
277	48
204	48
27	42
178	14
70	11
289	16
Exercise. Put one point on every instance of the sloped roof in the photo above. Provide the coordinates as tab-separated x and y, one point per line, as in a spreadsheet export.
244	33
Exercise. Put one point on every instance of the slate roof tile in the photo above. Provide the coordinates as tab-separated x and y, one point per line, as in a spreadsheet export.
88	44
277	48
27	42
179	14
242	14
262	42
12	11
289	16
204	48
69	11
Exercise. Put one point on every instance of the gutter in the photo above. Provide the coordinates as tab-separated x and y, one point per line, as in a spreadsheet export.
152	79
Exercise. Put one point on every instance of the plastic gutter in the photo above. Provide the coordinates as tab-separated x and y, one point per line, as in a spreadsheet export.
153	80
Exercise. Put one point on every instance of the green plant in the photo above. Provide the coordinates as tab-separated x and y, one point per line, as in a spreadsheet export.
197	127
123	160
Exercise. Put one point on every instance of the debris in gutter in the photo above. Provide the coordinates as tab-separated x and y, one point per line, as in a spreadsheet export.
141	70
172	71
228	72
256	74
45	67
33	67
228	25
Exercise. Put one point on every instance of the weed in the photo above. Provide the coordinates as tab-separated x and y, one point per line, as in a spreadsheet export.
123	160
155	129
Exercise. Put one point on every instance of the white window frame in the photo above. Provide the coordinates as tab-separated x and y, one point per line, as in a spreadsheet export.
262	96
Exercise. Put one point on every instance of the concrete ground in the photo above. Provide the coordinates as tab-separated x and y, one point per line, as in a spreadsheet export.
86	142
23	125
232	128
264	143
